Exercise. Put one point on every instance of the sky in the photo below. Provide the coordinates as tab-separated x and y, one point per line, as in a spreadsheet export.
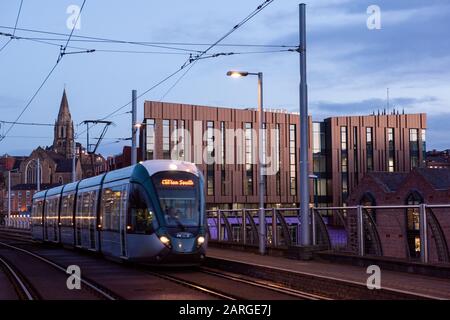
350	66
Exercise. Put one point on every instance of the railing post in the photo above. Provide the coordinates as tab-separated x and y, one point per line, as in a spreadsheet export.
219	225
244	226
423	233
274	227
313	223
360	231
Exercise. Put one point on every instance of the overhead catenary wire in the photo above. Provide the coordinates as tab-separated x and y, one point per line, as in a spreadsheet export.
89	50
90	39
15	26
43	82
191	60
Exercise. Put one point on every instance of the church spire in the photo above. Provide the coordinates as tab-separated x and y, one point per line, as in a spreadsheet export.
64	133
64	112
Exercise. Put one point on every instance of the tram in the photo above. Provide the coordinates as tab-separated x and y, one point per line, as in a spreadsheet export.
150	212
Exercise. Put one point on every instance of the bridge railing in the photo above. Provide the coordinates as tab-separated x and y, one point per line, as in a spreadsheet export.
418	232
17	221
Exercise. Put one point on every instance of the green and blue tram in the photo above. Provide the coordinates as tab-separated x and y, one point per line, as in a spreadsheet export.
153	211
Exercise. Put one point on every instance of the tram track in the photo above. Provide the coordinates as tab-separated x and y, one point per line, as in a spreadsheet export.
90	287
221	284
263	284
192	285
22	287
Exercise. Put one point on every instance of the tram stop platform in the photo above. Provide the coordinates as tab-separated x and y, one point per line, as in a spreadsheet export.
336	279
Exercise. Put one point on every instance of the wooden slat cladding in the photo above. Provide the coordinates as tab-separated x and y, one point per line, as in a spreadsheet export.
233	192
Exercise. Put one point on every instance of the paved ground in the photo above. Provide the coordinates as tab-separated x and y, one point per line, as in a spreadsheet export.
436	287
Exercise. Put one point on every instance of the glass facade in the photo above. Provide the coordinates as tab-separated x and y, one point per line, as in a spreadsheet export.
292	160
182	142
210	154
278	162
223	159
369	148
175	140
264	150
414	147
150	139
166	139
391	149
424	145
355	153
320	163
344	162
248	181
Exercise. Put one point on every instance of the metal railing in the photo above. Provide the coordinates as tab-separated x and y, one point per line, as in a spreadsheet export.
17	221
361	230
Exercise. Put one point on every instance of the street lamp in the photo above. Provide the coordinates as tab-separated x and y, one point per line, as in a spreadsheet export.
262	219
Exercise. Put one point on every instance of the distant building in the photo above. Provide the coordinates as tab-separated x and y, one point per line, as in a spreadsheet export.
55	164
438	159
396	232
123	159
342	150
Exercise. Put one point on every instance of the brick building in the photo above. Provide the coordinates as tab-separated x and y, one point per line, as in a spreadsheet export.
342	150
396	232
55	164
438	159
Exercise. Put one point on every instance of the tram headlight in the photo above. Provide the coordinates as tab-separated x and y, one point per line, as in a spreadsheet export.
200	240
165	240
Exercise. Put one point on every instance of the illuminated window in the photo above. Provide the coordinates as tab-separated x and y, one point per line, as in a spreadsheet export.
278	162
369	148
413	224
391	149
414	147
166	139
248	186
210	150
175	138
292	160
223	150
344	162
424	144
150	139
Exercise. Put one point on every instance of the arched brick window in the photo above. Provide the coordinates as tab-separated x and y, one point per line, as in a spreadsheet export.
413	224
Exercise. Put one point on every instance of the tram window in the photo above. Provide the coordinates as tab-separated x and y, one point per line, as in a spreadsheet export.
79	212
65	218
110	207
178	197
85	209
140	212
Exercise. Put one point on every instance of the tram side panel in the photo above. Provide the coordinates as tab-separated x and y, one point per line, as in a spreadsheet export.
51	211
66	219
37	229
112	221
142	240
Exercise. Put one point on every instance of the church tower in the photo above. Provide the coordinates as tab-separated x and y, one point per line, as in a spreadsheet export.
64	134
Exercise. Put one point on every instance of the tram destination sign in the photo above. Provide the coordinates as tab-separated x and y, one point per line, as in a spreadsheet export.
177	183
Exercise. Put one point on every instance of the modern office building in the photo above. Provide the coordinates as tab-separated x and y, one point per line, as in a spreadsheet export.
223	142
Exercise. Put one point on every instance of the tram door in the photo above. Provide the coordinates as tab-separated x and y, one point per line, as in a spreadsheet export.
92	219
78	221
123	221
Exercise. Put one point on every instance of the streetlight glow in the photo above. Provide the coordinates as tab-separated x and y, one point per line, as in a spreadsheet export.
237	74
